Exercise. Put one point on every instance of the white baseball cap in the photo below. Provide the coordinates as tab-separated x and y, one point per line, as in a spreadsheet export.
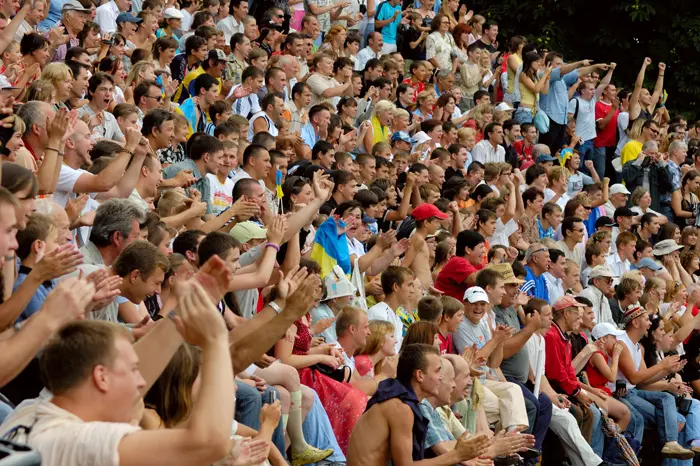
172	13
619	188
603	329
476	294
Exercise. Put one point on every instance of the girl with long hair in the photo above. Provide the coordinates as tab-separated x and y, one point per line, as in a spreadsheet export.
531	85
686	203
381	344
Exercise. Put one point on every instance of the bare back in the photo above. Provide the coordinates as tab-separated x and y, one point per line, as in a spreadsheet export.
421	262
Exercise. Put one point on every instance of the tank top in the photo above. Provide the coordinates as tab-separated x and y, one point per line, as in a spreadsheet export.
527	97
512	74
595	378
691	206
271	127
636	354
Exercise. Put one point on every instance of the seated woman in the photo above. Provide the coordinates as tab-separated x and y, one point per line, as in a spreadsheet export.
320	368
181	377
640	203
422	332
381	344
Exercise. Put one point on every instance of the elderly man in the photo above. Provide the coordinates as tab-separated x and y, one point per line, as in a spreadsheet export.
651	171
598	291
73	18
618	197
537	258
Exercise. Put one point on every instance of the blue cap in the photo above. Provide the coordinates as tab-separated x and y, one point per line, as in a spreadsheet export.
649	263
368	220
545	158
128	18
401	136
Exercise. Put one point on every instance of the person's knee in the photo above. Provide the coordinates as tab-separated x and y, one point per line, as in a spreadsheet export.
284	397
307	398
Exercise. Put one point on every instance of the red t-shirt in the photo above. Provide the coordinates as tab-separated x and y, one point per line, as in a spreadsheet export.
607	137
445	344
524	154
451	278
419	86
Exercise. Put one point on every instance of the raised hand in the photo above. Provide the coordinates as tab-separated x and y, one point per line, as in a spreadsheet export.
647	61
305	296
197	319
276	231
184	178
472	447
215	277
75	206
322	184
61	261
68	301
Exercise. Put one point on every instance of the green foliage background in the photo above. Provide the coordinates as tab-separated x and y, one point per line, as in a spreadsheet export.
622	31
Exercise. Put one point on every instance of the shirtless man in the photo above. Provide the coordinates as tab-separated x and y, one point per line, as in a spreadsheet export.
418	254
386	431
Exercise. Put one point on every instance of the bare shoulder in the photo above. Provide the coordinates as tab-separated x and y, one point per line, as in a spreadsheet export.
397	411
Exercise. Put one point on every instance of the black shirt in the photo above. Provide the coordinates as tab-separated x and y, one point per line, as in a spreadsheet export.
412	35
452	172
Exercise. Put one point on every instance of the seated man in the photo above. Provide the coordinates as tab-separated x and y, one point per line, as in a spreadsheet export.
394	429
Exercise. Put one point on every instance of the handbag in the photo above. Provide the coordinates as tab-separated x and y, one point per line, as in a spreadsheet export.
341	374
541	121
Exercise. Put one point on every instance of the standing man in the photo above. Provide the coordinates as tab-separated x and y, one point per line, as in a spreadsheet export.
607	110
106	15
386	22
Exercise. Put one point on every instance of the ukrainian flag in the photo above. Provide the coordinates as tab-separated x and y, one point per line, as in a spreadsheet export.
331	248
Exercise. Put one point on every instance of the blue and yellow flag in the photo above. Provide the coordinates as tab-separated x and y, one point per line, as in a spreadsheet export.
331	248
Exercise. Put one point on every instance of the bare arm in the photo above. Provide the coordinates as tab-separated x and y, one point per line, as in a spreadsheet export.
637	91
581	359
107	178
609	372
605	81
658	87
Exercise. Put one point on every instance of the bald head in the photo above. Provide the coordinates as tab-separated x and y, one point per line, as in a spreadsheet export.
540	149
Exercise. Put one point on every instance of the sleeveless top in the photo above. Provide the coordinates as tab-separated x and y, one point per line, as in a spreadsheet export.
635	352
271	127
512	74
527	97
691	206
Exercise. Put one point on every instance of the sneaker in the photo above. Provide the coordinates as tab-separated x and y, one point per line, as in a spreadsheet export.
310	455
675	451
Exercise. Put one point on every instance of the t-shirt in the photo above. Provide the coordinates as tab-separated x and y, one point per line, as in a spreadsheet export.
221	194
535	286
515	366
451	278
631	151
382	311
66	182
109	129
576	183
386	11
585	121
607	137
446	345
468	334
61	437
319	83
502	232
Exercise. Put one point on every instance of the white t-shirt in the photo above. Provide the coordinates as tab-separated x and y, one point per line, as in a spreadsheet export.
382	311
109	129
221	194
561	202
503	232
61	437
356	248
66	183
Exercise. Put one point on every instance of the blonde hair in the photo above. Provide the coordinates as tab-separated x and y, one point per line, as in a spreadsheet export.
56	72
379	330
556	174
478	113
400	112
42	90
464	133
424	95
636	130
492	170
136	70
383	106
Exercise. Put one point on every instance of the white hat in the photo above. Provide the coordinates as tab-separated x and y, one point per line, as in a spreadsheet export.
337	284
504	107
664	247
5	84
601	271
604	329
172	13
618	188
476	294
420	137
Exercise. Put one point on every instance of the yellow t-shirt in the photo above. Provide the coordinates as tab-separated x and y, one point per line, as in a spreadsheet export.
630	151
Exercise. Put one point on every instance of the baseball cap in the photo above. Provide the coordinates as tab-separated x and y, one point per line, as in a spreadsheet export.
337	284
624	212
128	18
566	301
74	5
420	137
604	329
476	294
664	247
649	263
368	220
401	136
218	55
506	270
5	83
604	222
172	13
601	271
619	188
425	211
504	107
545	158
246	231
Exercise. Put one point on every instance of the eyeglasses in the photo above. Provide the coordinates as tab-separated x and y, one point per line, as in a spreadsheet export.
158	98
578	230
539	250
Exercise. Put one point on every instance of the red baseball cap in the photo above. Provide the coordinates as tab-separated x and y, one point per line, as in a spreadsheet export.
425	211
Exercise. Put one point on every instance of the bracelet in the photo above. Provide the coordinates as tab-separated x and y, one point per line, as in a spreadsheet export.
128	152
273	246
51	148
275	307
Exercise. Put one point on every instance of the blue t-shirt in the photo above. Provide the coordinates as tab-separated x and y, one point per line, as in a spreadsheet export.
37	299
535	287
386	11
555	103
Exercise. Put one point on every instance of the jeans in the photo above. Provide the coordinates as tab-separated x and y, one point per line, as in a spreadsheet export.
587	152
597	436
523	115
248	406
539	412
656	408
555	137
600	160
319	433
636	425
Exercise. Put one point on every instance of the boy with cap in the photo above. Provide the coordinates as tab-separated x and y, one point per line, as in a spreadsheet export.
655	406
339	292
649	267
417	257
400	140
560	371
503	401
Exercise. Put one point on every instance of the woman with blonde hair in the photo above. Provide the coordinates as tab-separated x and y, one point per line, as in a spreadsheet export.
467	137
61	77
634	135
141	71
378	128
653	296
334	41
425	101
380	345
477	26
482	115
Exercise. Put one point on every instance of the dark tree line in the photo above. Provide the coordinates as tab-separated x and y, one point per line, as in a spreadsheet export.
621	31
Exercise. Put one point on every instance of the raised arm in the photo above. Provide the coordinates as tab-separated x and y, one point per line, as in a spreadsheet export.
606	79
658	87
634	108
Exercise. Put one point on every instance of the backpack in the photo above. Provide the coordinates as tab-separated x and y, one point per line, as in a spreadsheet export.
575	111
376	15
